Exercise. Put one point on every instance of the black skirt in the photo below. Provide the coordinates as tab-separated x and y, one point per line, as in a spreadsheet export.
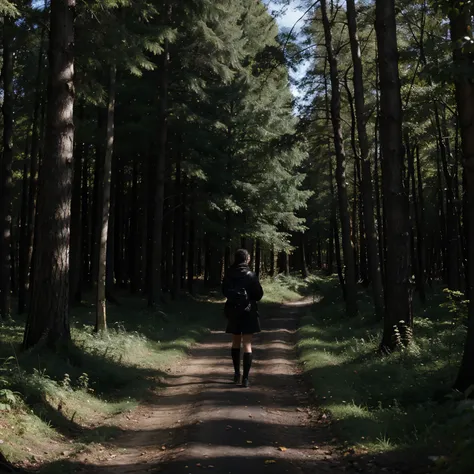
246	323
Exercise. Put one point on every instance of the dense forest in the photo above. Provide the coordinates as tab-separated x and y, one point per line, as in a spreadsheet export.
141	142
144	141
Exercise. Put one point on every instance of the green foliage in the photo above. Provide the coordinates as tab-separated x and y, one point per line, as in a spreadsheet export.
8	9
388	403
103	375
284	288
8	398
457	305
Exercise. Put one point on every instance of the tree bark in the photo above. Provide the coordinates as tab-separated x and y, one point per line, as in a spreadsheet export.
378	195
104	206
452	232
6	171
258	257
75	281
96	210
85	220
134	241
344	213
461	28
420	229
178	231
23	253
156	248
191	251
304	266
367	190
49	309
397	306
27	251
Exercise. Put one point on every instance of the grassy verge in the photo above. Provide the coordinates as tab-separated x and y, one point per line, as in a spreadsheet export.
381	404
286	288
52	406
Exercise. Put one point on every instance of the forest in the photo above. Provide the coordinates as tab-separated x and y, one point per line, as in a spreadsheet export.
144	141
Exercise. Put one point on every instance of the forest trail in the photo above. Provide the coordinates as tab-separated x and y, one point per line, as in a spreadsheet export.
205	422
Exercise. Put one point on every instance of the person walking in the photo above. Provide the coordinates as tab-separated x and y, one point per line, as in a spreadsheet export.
242	289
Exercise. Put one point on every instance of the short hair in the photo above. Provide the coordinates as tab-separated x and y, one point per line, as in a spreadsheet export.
241	256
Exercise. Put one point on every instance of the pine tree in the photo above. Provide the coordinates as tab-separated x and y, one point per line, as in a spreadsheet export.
48	316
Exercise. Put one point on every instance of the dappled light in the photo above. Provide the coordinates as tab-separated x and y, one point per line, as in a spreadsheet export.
235	236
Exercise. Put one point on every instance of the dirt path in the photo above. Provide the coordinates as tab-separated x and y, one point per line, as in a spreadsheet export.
204	422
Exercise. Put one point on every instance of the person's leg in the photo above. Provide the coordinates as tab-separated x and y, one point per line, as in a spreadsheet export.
247	340
235	351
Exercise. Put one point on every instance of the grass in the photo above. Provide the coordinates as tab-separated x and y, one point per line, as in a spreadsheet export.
59	404
285	288
387	403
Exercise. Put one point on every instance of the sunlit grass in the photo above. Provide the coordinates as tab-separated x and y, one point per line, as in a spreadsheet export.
101	375
283	288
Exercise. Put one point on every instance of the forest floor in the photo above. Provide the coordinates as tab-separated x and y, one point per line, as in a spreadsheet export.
156	395
202	421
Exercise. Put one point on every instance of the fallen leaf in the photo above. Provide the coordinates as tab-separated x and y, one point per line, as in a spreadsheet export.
249	442
282	448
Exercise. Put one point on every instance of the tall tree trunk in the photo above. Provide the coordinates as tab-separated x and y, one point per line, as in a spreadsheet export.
347	247
452	232
367	191
117	230
85	220
461	27
156	248
6	171
191	250
397	306
75	264
134	241
337	249
178	231
104	205
333	217
27	251
49	309
304	266
96	210
355	225
23	253
258	257
114	233
378	195
420	229
185	237
272	261
443	247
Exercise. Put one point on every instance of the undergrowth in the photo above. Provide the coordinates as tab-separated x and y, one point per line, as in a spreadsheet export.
390	403
286	288
52	405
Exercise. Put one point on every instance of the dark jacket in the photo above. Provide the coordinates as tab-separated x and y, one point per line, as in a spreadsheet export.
240	276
